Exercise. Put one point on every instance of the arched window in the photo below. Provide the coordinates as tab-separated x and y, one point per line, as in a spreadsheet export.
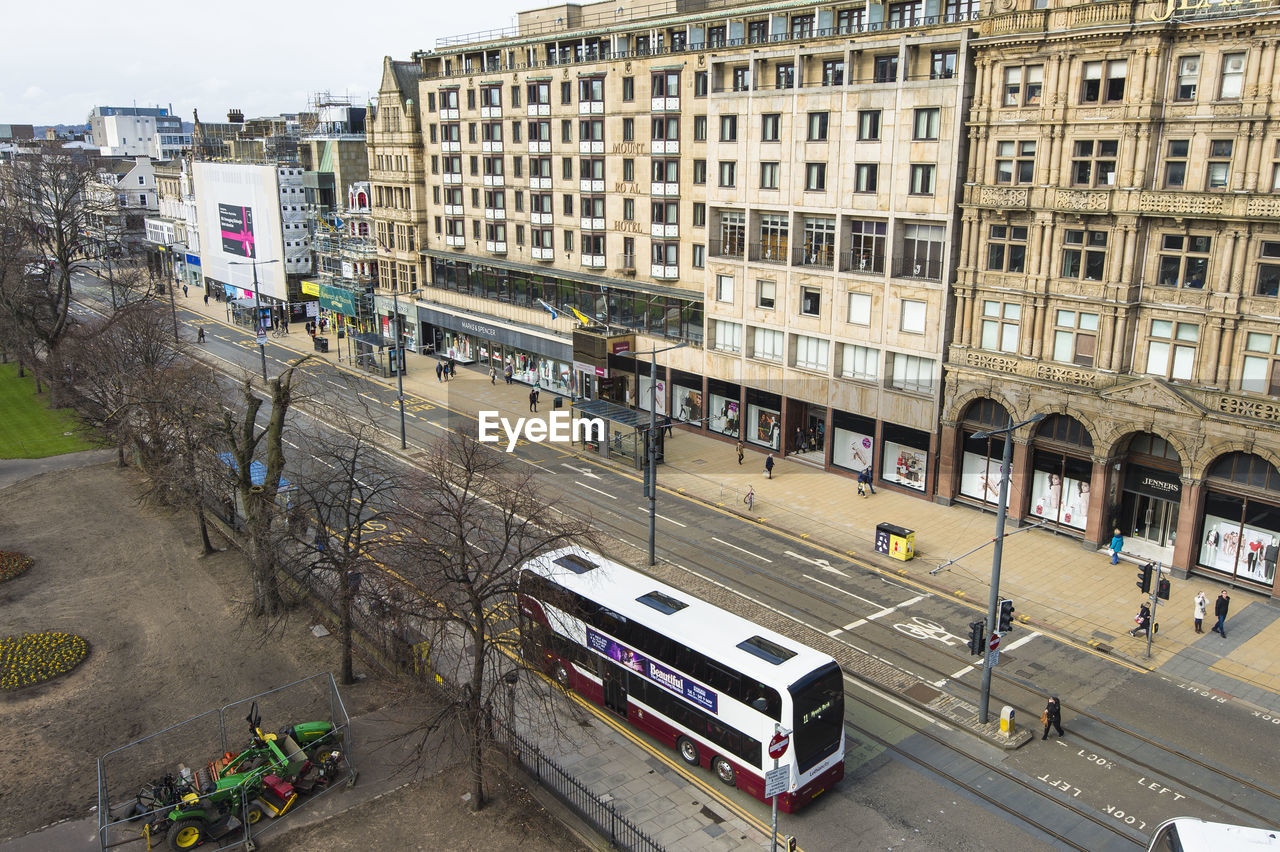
364	229
1247	469
986	412
1065	429
362	200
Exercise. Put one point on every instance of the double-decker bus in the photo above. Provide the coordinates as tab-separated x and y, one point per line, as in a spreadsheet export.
704	681
1190	834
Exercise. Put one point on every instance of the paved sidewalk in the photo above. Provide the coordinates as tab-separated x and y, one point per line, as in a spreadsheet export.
1058	585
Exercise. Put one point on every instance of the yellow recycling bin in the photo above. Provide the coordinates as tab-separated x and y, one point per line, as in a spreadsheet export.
895	541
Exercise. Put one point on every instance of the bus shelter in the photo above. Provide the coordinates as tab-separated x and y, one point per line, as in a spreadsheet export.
625	430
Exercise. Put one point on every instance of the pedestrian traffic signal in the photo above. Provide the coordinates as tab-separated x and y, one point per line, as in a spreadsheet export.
1162	589
1144	578
976	643
1006	616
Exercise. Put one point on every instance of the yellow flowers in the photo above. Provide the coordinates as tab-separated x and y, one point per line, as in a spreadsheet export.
36	657
12	564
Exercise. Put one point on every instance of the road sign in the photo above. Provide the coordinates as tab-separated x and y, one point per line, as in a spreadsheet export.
262	338
993	658
778	745
993	642
776	780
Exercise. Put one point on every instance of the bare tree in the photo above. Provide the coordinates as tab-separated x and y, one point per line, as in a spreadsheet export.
246	442
342	503
471	518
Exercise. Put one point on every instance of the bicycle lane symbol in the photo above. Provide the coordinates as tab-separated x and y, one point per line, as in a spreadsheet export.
923	628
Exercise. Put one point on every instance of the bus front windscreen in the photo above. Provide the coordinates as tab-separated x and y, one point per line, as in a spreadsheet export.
818	699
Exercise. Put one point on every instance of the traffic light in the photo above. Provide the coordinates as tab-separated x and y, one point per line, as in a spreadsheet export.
1006	616
976	629
1144	578
1162	589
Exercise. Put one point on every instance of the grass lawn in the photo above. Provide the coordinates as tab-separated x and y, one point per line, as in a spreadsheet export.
28	429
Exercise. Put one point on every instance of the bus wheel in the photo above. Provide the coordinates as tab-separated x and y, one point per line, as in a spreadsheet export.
724	771
561	674
688	751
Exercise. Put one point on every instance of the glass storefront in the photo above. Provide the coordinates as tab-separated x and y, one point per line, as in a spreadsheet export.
1060	488
1150	504
764	419
686	398
724	415
852	441
980	467
904	456
1240	535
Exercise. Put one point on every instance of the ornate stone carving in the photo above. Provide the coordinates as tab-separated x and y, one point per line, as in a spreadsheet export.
1086	202
1184	203
1263	205
1064	375
1255	409
987	361
1003	196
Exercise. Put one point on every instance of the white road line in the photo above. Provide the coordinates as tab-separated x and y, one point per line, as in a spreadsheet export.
597	490
892	700
978	665
1024	640
290	443
664	517
371	398
861	621
842	591
744	550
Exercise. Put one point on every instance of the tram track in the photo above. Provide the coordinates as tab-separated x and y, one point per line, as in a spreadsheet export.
762	588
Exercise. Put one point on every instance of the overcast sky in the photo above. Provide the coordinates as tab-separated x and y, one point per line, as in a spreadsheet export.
61	58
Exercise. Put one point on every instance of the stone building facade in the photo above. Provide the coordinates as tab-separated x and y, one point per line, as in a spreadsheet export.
1119	271
775	185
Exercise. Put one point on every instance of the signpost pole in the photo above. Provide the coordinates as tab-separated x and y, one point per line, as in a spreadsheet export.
777	748
262	331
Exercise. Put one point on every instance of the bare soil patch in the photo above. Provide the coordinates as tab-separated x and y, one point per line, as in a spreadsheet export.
167	643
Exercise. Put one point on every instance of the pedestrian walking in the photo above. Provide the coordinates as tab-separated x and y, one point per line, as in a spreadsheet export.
1220	607
184	291
493	375
865	483
200	335
768	466
533	400
439	372
1202	604
862	488
799	440
1143	620
1052	717
666	424
453	369
1117	544
740	451
507	373
206	297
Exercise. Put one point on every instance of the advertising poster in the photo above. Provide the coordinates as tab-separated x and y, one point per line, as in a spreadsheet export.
664	677
851	450
764	426
980	477
1228	546
724	415
661	395
687	404
1060	499
236	223
904	465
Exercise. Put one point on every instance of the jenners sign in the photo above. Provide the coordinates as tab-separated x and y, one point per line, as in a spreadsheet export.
1182	9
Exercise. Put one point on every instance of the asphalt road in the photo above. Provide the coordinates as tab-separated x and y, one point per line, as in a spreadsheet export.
1143	749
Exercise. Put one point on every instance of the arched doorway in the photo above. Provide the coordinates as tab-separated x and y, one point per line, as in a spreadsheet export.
1151	496
1241	529
980	457
1062	473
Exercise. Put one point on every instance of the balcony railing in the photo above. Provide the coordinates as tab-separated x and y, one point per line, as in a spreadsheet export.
820	256
860	261
626	263
911	267
775	252
726	248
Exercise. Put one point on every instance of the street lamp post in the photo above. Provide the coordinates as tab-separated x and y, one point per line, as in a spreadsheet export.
257	307
651	481
399	362
173	307
993	601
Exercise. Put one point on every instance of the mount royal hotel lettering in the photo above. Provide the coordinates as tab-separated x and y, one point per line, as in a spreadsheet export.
1175	9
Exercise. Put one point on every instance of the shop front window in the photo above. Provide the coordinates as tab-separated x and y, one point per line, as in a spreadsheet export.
1241	532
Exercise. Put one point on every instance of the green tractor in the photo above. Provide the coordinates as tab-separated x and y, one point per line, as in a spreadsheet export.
263	780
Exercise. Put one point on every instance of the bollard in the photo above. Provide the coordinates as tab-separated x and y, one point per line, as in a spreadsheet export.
1007	723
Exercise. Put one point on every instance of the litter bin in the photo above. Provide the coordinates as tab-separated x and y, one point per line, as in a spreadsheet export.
558	402
321	344
895	541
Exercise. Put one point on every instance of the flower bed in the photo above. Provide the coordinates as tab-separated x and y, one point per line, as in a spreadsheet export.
13	563
36	657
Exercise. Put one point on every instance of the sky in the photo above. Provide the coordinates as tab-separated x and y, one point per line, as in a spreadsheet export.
64	57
